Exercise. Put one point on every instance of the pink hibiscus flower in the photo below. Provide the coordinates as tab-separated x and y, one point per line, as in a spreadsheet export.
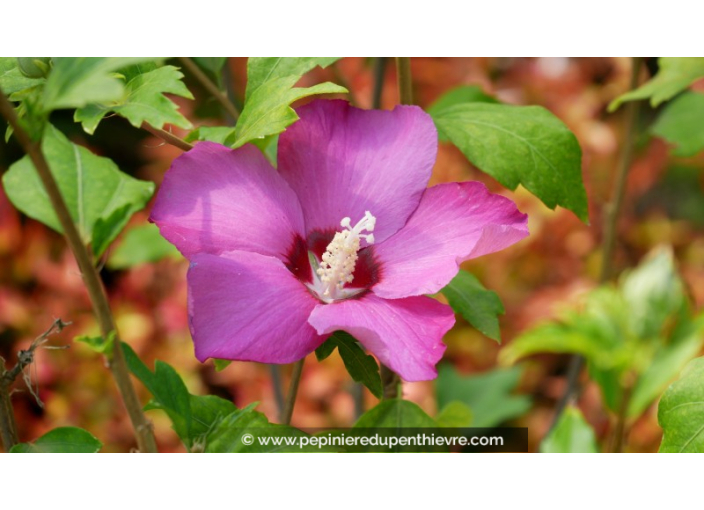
344	236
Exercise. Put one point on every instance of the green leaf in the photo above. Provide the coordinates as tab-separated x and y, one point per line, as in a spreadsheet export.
459	95
141	245
598	332
228	436
525	145
362	367
326	349
455	415
11	78
217	134
221	364
143	99
269	95
680	123
681	412
261	70
212	66
268	111
107	229
479	306
653	292
572	434
395	414
675	75
488	395
61	440
193	417
92	187
638	335
206	412
76	82
168	390
666	362
99	344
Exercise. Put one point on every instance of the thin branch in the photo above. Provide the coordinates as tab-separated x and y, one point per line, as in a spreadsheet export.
275	371
617	437
91	279
613	209
210	86
8	425
390	382
405	83
27	357
167	137
611	214
292	392
379	72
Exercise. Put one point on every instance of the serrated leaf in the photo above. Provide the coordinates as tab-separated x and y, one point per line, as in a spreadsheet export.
141	245
675	75
681	412
221	364
395	414
455	415
261	70
92	187
231	435
638	335
268	111
76	82
598	332
666	362
108	228
572	434
680	123
653	292
361	366
143	100
11	78
217	134
326	349
61	440
459	95
489	395
193	417
168	390
212	66
525	145
99	344
479	306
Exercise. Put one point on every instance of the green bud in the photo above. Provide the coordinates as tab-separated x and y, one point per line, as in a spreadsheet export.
34	67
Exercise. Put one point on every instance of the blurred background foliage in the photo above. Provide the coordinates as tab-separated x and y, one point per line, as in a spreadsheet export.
537	279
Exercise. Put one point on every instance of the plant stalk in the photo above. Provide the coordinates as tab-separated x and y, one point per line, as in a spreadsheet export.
167	137
210	87
611	214
91	279
8	425
405	83
292	392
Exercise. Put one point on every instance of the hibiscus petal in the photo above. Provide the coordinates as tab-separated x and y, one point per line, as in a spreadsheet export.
342	161
453	223
215	199
405	334
246	306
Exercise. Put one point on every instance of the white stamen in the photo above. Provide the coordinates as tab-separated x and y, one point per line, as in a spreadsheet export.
339	260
